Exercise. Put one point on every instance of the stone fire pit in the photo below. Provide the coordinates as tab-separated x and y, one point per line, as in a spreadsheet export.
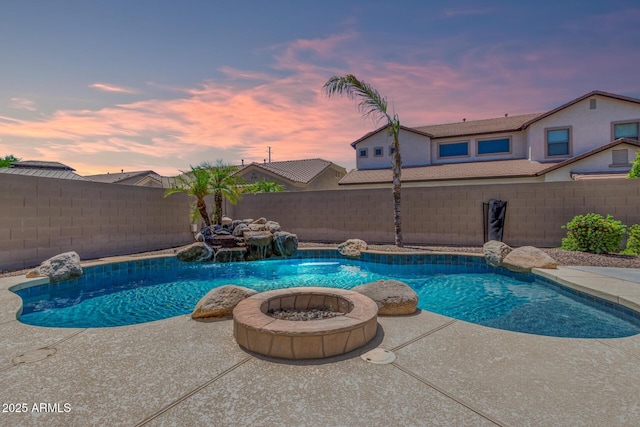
255	330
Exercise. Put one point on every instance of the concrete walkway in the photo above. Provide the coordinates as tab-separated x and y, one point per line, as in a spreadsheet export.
447	372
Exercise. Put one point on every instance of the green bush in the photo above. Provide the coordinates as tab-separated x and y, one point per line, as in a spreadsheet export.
633	242
635	169
593	233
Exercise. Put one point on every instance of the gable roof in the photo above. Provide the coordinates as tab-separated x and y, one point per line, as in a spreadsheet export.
495	125
125	178
380	129
590	153
583	97
301	171
474	127
449	171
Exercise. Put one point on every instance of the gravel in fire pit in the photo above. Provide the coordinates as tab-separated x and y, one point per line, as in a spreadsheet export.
313	314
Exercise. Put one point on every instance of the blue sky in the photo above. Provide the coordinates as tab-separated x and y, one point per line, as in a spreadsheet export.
134	85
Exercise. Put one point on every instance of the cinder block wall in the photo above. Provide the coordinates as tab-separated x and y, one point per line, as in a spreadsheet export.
42	217
449	215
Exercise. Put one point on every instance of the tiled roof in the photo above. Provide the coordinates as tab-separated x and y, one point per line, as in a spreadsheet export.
473	127
44	173
130	178
37	164
450	171
302	171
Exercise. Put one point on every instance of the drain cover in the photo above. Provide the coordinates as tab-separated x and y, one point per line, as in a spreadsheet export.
379	356
34	356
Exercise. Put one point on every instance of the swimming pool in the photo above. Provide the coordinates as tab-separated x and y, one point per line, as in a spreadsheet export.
461	287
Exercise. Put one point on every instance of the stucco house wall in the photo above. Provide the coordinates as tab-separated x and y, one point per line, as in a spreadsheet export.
414	149
590	128
596	163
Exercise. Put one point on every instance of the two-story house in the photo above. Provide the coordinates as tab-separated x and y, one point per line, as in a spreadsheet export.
594	136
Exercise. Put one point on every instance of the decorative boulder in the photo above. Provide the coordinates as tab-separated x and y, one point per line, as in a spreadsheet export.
392	296
525	258
225	220
61	267
272	226
240	229
197	252
284	243
262	220
258	245
352	247
257	227
220	302
494	252
230	255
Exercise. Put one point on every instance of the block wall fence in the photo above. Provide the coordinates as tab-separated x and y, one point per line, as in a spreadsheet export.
41	217
450	215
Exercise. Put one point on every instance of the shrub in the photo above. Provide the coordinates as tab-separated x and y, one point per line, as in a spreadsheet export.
635	169
633	242
593	233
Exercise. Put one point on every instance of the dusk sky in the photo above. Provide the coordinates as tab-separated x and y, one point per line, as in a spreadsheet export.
149	84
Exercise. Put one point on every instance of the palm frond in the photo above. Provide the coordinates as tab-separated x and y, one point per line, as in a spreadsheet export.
370	102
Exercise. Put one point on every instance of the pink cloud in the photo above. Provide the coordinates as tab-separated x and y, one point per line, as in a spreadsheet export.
239	116
112	88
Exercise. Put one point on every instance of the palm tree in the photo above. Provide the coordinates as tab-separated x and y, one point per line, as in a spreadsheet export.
195	183
224	184
371	103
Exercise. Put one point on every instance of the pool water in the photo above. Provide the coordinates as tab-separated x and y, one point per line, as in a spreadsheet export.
494	299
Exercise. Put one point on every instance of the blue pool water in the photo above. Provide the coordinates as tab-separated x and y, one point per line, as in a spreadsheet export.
472	293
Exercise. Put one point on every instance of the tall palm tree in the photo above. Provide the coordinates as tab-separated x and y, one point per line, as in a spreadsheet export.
195	183
372	104
224	184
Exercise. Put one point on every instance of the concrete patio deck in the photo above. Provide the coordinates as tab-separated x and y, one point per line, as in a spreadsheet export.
447	372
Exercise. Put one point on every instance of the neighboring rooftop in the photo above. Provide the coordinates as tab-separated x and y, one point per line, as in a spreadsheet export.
302	171
450	171
42	169
146	178
473	127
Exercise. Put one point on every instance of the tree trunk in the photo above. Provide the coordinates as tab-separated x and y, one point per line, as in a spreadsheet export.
202	208
217	215
397	172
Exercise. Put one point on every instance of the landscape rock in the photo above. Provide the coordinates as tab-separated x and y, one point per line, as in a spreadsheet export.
392	296
272	226
257	227
230	255
524	258
260	221
352	247
197	252
220	302
61	267
240	229
494	252
284	243
225	220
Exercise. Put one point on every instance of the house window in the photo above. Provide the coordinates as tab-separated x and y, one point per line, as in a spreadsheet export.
456	149
620	157
392	150
625	130
377	152
592	104
363	152
558	141
494	146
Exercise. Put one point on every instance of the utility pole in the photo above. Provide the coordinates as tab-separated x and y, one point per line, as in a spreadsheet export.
269	153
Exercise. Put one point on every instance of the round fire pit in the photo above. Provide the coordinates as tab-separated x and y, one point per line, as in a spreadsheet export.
255	330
